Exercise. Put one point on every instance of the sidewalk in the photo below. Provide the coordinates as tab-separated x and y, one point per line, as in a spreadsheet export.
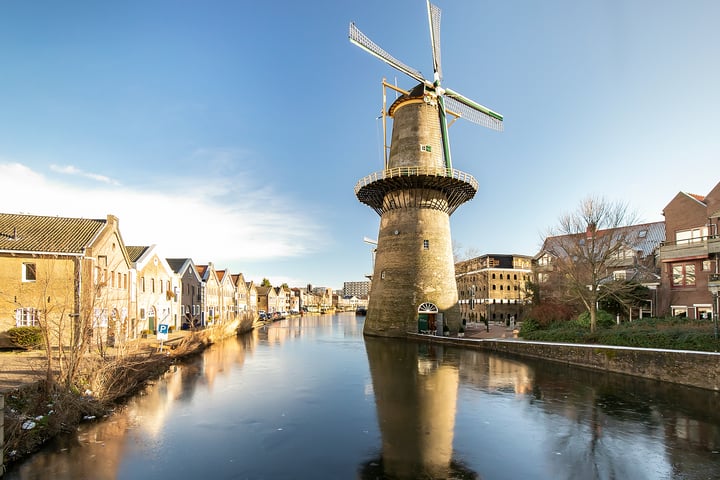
22	367
499	330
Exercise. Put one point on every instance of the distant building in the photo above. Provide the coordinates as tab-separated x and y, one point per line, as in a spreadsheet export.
358	289
493	287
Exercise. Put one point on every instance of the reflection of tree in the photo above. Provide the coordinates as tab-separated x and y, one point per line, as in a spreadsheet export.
415	398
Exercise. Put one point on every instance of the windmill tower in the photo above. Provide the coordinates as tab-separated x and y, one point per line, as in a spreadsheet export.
413	284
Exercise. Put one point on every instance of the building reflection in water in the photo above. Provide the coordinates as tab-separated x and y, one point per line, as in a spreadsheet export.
416	400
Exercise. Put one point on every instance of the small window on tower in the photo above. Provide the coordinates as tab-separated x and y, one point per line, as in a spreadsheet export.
426	244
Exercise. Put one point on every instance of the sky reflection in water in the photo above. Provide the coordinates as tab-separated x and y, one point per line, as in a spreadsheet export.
311	398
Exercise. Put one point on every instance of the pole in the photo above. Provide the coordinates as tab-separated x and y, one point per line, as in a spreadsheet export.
715	315
2	434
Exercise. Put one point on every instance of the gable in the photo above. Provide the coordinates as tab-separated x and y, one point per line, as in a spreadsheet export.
684	211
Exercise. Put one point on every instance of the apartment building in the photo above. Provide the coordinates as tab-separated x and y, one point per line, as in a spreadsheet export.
493	287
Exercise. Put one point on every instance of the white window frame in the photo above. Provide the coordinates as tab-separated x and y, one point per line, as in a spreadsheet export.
26	317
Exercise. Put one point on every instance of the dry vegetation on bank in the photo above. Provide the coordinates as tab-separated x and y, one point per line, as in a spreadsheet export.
38	412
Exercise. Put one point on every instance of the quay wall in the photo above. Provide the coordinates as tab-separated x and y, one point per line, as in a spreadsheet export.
695	369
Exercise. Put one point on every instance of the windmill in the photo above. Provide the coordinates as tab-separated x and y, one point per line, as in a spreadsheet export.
447	100
413	286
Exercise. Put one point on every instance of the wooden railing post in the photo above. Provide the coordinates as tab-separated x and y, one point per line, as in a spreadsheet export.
2	434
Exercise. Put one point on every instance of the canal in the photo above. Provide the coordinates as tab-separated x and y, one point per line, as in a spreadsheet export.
311	398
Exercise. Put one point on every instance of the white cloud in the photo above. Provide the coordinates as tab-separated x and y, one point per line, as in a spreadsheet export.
71	170
185	217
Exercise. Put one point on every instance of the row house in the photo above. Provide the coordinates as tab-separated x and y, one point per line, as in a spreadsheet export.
153	289
78	278
70	274
627	253
283	294
266	299
190	292
227	296
690	255
493	287
677	259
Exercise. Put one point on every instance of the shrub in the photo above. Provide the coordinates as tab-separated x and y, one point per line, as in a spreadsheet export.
26	337
548	312
528	326
603	319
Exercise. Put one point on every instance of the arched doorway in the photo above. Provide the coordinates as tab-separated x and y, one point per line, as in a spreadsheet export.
427	314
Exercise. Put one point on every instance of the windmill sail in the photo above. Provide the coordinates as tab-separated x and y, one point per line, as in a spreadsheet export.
362	41
434	18
472	111
448	100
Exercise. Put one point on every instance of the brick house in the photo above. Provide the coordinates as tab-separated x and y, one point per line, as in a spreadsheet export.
690	255
190	290
634	259
154	286
71	274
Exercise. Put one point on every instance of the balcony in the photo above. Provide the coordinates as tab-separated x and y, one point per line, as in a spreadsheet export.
713	244
687	249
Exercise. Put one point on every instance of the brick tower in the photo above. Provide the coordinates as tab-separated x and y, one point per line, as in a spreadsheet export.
413	283
413	286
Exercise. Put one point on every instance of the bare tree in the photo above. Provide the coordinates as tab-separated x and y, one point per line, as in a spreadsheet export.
585	245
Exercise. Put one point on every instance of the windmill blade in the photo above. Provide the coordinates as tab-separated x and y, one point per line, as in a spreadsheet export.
444	131
362	41
434	18
472	111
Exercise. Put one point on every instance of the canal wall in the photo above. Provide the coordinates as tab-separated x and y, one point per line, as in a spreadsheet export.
695	369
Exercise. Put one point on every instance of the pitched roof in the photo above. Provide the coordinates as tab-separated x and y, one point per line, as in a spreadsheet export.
135	251
176	263
643	238
44	234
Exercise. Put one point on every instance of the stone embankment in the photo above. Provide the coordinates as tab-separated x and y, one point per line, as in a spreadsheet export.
690	368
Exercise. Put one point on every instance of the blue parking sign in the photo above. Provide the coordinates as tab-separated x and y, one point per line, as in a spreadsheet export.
162	332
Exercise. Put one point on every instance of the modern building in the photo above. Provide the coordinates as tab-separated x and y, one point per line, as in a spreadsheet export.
358	289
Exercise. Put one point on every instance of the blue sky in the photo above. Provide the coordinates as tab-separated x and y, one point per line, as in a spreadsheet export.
235	131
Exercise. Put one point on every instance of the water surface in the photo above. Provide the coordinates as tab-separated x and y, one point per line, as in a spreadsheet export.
311	398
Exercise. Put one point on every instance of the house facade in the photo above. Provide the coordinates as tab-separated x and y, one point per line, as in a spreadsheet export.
189	292
154	285
72	275
690	255
211	295
628	253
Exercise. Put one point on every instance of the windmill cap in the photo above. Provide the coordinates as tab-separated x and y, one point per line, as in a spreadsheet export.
417	92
